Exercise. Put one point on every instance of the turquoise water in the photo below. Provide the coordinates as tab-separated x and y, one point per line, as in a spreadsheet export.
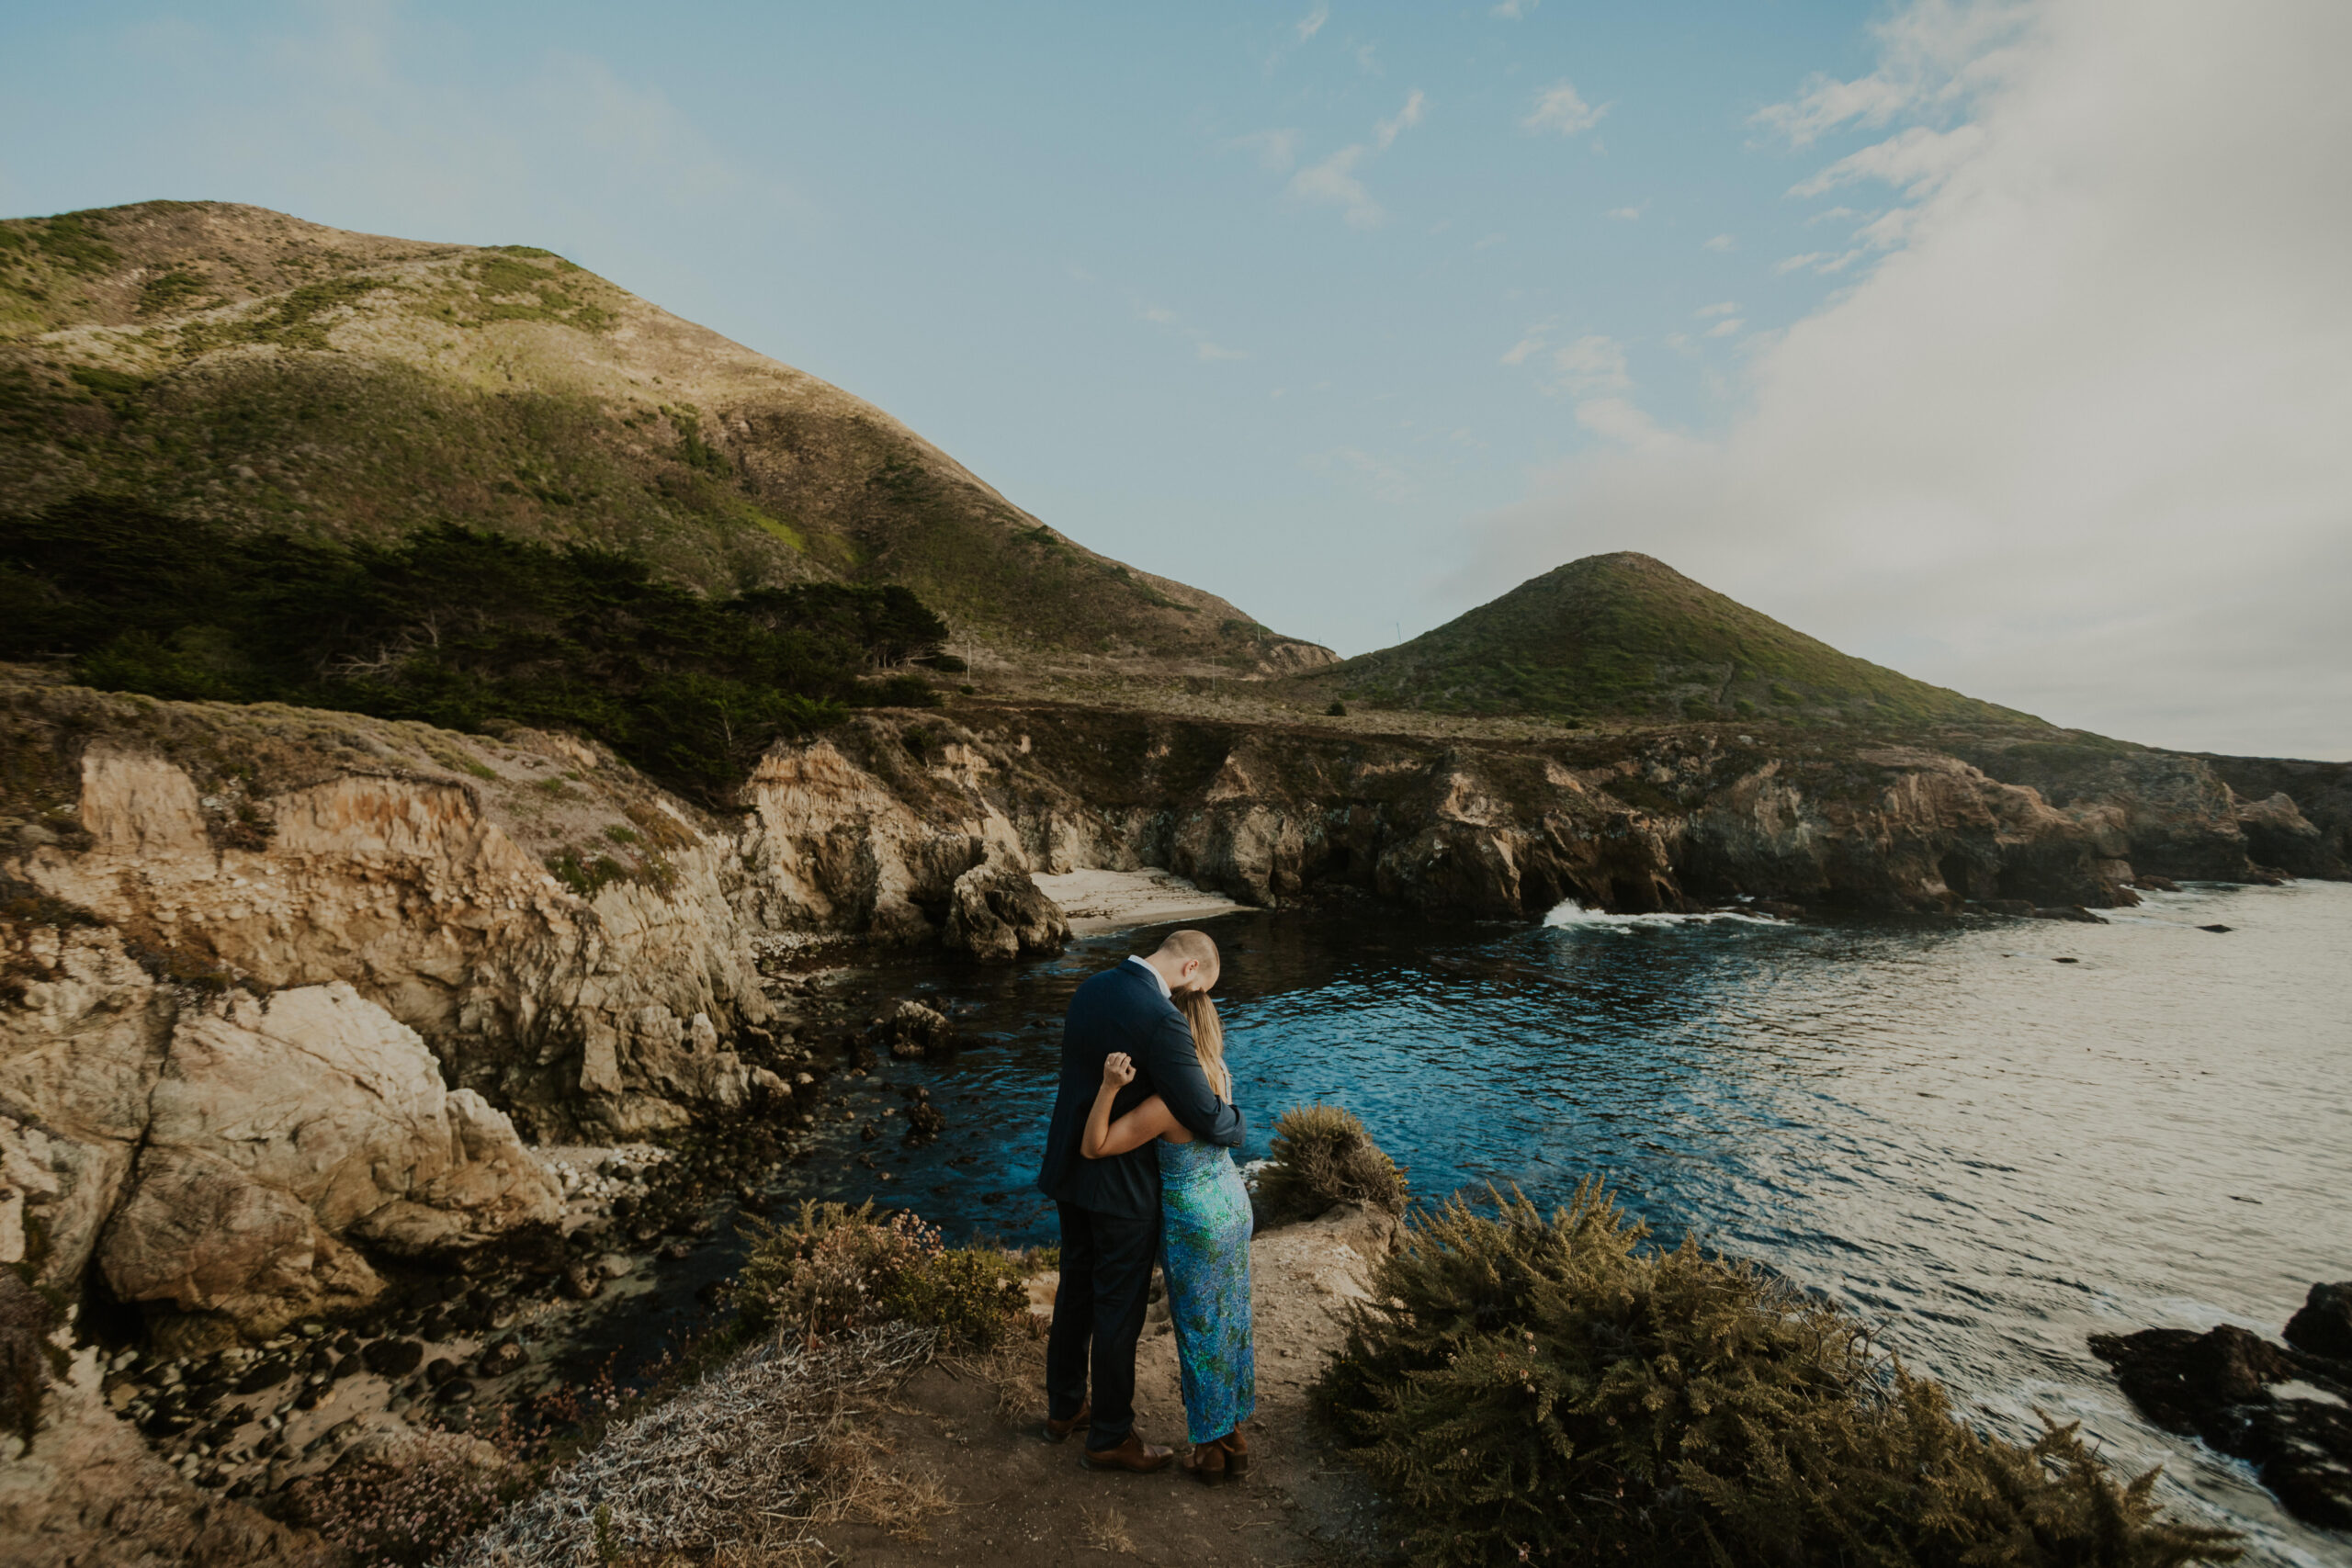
1935	1124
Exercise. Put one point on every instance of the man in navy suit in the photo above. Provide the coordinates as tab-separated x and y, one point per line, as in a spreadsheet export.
1109	1208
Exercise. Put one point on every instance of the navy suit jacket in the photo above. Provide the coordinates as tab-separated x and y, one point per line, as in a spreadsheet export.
1122	1010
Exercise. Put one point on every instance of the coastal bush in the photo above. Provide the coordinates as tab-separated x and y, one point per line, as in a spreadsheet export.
1322	1155
414	1507
456	628
835	1268
1553	1389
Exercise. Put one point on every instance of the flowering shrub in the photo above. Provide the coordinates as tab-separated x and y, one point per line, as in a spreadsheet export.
835	1268
410	1507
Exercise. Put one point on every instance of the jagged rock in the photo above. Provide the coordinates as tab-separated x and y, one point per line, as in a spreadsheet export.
280	1126
996	913
2322	1324
2074	912
911	1031
2218	1385
412	881
2278	835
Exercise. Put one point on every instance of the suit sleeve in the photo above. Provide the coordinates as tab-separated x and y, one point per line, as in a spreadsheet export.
1175	1073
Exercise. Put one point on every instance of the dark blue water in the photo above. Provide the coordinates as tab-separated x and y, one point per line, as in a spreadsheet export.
1936	1125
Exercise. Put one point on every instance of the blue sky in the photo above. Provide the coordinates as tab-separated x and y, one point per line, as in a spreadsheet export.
1353	314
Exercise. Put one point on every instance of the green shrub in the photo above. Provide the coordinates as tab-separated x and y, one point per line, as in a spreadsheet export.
973	1295
1536	1390
455	628
1322	1155
835	1268
1337	710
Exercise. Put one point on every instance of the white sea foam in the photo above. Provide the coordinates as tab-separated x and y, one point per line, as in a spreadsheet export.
1568	912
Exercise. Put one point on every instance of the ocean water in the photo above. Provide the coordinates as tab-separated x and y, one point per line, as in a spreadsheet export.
1939	1125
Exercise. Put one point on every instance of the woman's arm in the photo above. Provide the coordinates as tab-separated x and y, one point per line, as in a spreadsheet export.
1137	1128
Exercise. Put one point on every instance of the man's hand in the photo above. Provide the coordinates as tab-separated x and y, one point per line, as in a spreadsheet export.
1118	1070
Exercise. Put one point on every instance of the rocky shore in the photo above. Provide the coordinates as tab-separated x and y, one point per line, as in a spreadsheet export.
2285	1409
339	1058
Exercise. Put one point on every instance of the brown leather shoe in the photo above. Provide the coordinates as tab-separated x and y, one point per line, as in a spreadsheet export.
1207	1465
1059	1431
1135	1454
1237	1453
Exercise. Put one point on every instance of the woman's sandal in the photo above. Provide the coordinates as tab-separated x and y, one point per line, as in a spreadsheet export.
1236	1454
1207	1463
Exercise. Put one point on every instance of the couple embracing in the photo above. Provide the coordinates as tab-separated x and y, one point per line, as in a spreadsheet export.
1136	1164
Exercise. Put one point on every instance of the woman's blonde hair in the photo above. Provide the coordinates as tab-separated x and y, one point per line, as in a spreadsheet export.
1208	1040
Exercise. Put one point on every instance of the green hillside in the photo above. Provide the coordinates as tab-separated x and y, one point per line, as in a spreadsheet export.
248	369
1623	635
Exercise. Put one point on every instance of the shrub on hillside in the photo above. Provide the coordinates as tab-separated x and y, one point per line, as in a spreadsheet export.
1322	1155
835	1268
1537	1389
456	628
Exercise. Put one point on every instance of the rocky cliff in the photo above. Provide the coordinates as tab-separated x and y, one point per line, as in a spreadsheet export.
284	989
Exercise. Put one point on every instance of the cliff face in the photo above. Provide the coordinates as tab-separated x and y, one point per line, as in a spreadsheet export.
282	987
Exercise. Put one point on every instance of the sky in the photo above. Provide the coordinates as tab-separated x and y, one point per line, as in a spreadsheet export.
2004	344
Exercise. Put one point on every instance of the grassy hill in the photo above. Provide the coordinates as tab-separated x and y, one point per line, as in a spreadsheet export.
248	369
1625	636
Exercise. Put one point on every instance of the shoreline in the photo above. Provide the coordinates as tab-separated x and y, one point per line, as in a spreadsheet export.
1097	901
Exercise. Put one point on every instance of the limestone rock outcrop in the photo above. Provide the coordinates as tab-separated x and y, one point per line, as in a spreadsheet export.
547	918
227	1155
996	913
280	1130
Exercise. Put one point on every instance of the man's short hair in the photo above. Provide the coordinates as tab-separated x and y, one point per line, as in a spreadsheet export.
1196	946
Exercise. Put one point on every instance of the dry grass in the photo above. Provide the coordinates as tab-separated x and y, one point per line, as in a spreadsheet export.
1106	1530
735	1470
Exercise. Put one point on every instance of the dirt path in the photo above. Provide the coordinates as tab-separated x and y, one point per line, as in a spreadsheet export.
1010	1498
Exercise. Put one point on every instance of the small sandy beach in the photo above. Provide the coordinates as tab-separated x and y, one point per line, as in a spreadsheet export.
1098	901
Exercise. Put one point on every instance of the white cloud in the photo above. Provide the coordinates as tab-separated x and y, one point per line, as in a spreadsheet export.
1617	421
2076	443
1793	264
1276	151
1720	242
1591	365
1490	242
1518	353
1560	109
1159	315
1207	350
1933	54
1387	132
1724	307
1916	160
1312	23
1512	10
1333	181
1725	328
1626	213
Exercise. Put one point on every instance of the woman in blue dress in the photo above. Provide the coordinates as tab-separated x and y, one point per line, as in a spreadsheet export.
1203	1249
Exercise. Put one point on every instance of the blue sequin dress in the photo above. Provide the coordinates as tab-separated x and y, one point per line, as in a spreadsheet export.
1204	1257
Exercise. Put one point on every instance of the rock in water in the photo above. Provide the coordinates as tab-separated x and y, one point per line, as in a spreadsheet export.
2322	1324
911	1033
995	912
2218	1386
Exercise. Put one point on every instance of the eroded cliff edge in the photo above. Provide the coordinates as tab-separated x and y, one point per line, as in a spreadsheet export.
287	991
